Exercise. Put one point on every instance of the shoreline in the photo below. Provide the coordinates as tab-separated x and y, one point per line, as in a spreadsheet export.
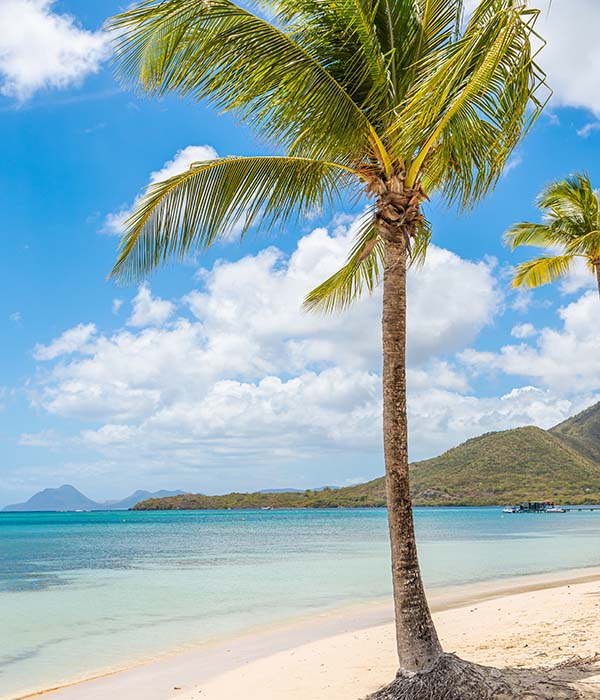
174	674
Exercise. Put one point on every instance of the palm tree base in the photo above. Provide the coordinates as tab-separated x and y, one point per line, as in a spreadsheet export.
454	679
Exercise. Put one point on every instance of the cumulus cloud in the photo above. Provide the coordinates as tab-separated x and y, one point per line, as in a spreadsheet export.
570	29
242	376
247	372
41	48
148	310
523	330
72	340
442	419
564	359
114	223
578	278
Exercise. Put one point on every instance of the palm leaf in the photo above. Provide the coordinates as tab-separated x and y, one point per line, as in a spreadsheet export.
347	45
193	209
541	235
222	52
363	268
361	271
571	203
472	103
587	245
543	270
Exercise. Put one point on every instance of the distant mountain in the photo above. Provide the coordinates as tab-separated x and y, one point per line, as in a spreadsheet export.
136	497
68	498
560	464
63	498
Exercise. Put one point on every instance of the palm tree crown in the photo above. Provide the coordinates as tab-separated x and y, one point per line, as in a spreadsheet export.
397	98
571	225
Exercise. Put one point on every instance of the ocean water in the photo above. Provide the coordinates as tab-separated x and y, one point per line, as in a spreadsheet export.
82	593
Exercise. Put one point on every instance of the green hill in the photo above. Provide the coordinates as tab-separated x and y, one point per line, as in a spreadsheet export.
582	432
508	467
529	463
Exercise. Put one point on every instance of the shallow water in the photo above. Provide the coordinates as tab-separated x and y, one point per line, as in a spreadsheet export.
81	593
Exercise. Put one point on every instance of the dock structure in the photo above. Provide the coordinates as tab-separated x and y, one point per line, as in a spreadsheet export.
532	507
547	507
579	508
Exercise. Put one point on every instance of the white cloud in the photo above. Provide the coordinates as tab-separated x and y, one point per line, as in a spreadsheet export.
588	129
149	310
521	300
441	419
571	57
40	48
116	305
579	278
250	374
114	223
523	330
45	438
565	360
15	317
513	163
73	340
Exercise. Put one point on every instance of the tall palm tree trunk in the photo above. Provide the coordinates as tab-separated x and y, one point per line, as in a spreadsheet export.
417	640
597	268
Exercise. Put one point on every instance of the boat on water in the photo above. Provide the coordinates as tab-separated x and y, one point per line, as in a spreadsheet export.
534	507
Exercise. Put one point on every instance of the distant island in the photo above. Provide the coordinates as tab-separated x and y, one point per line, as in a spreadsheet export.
68	498
561	464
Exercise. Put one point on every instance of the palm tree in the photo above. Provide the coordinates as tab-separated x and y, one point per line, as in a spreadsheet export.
388	99
571	223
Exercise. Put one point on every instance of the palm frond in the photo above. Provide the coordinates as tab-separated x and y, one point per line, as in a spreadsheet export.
420	244
540	271
587	245
361	272
363	268
439	22
541	235
191	210
341	36
472	103
239	61
571	200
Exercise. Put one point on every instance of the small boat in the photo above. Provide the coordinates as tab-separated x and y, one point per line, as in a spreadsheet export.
511	509
267	508
555	509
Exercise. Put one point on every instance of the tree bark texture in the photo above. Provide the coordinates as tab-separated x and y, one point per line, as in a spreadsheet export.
418	645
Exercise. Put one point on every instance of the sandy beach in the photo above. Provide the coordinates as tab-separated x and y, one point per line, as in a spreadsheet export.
524	623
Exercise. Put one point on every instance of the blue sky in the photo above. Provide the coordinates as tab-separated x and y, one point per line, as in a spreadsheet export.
209	378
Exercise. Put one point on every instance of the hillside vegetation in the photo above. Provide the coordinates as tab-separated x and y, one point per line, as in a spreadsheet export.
561	464
582	432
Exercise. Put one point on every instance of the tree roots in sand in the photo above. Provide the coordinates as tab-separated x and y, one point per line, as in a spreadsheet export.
455	679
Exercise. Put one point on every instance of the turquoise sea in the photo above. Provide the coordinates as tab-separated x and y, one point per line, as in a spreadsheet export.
82	593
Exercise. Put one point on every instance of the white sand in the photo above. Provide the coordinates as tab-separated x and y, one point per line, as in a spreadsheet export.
524	623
